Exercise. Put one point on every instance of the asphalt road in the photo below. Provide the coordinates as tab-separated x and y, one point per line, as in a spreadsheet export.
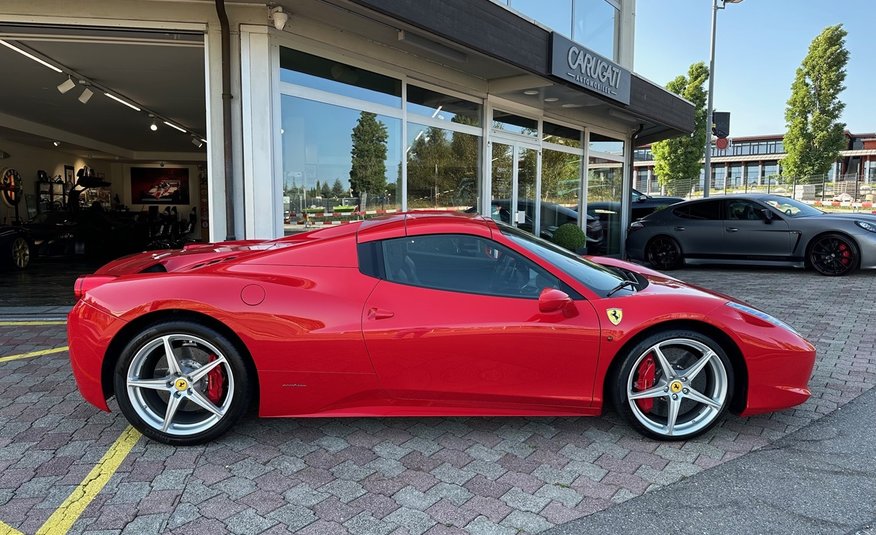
821	479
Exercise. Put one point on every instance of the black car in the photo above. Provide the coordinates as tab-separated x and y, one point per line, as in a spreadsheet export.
641	205
552	216
15	245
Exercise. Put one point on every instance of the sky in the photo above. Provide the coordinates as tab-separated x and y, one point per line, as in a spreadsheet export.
758	48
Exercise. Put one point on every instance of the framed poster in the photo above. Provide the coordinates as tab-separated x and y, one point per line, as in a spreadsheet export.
159	185
69	176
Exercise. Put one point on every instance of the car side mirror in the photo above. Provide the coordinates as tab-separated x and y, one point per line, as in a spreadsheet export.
553	300
766	215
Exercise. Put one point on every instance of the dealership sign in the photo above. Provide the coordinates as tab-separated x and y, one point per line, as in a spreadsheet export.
581	66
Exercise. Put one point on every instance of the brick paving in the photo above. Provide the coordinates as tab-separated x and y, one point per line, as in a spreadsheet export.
399	476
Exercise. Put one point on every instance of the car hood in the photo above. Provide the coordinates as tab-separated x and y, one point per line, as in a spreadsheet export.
870	218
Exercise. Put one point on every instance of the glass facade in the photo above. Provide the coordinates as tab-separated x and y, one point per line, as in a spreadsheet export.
357	143
593	23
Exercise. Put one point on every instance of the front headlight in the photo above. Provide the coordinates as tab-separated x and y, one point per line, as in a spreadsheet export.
866	225
763	316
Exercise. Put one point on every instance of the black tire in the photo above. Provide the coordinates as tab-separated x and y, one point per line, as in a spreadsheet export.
677	393
19	253
145	383
664	253
833	255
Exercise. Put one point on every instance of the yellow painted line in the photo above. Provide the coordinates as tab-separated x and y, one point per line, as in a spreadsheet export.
66	515
26	323
34	354
6	529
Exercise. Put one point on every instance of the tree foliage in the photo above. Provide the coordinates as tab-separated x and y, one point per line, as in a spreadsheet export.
677	160
442	167
814	134
368	170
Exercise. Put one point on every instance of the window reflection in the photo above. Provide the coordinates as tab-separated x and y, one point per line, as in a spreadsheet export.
443	107
443	170
515	124
304	69
338	162
596	26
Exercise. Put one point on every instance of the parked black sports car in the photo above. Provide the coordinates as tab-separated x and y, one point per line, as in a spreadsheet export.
641	205
15	245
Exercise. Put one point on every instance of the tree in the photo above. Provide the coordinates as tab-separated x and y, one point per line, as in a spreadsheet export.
677	160
368	170
815	135
337	189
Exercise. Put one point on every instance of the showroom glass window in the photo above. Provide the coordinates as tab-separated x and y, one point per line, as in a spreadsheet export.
443	150
605	173
560	173
341	140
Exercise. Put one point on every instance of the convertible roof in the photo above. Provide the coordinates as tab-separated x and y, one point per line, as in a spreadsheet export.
423	222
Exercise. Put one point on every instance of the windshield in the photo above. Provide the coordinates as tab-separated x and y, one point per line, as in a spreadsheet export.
790	207
598	278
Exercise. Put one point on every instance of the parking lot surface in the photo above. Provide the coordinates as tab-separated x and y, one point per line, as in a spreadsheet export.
65	464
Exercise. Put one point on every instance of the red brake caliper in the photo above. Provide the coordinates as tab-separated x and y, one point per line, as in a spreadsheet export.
844	254
215	383
645	380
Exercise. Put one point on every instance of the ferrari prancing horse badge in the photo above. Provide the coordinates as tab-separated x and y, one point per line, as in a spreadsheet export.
615	315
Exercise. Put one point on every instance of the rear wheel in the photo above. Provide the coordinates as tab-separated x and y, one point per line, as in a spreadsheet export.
181	383
674	385
663	252
833	255
20	253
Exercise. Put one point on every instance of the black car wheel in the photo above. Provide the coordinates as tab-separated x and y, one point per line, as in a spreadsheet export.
663	252
20	253
673	385
181	383
833	255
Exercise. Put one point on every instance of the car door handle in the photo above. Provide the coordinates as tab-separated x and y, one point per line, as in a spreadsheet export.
379	314
679	228
732	229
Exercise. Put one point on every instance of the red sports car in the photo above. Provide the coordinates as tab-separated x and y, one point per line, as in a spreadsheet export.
419	314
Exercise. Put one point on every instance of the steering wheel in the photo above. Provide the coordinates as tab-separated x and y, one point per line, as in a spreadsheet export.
789	211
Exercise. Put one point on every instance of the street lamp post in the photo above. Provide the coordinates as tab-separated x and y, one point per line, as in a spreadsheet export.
707	163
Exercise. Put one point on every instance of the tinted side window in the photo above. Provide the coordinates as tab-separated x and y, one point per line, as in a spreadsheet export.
740	210
699	210
462	263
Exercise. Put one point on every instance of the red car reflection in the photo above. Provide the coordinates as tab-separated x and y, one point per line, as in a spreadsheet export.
419	314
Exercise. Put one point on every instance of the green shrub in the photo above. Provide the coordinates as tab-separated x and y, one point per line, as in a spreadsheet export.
570	236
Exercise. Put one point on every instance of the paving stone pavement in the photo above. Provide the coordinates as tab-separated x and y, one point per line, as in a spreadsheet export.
405	475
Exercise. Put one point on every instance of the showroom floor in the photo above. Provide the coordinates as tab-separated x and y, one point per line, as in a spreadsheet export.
402	475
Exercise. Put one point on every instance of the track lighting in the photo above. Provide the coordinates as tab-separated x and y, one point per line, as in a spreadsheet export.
120	101
175	127
86	95
66	85
56	143
27	54
153	126
197	142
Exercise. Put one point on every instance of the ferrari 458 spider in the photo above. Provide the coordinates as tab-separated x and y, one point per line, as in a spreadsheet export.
419	314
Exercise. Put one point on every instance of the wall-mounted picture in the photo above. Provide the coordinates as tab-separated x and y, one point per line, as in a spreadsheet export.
159	185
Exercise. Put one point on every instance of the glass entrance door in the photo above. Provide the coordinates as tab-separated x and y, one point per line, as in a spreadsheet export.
515	184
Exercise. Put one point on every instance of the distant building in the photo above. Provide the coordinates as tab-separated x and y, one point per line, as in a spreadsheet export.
755	162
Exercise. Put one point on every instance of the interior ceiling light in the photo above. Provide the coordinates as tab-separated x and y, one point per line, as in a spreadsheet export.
56	143
153	126
31	56
66	85
120	101
551	99
86	95
531	92
572	105
197	142
175	127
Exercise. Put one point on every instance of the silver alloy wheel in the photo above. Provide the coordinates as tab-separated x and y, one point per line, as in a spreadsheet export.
20	253
167	384
691	387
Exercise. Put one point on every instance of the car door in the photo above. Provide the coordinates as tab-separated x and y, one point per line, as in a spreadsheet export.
748	236
456	323
698	228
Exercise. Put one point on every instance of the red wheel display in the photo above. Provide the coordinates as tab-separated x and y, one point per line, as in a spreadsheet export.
10	184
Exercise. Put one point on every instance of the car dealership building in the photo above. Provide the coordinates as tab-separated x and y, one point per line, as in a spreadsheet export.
320	111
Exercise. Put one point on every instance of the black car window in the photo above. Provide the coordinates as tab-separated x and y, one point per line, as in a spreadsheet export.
464	263
709	210
742	210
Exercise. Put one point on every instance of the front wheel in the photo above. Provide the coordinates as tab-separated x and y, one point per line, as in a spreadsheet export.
20	253
181	383
664	253
833	255
674	385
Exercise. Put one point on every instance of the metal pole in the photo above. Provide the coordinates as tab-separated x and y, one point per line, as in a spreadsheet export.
707	160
